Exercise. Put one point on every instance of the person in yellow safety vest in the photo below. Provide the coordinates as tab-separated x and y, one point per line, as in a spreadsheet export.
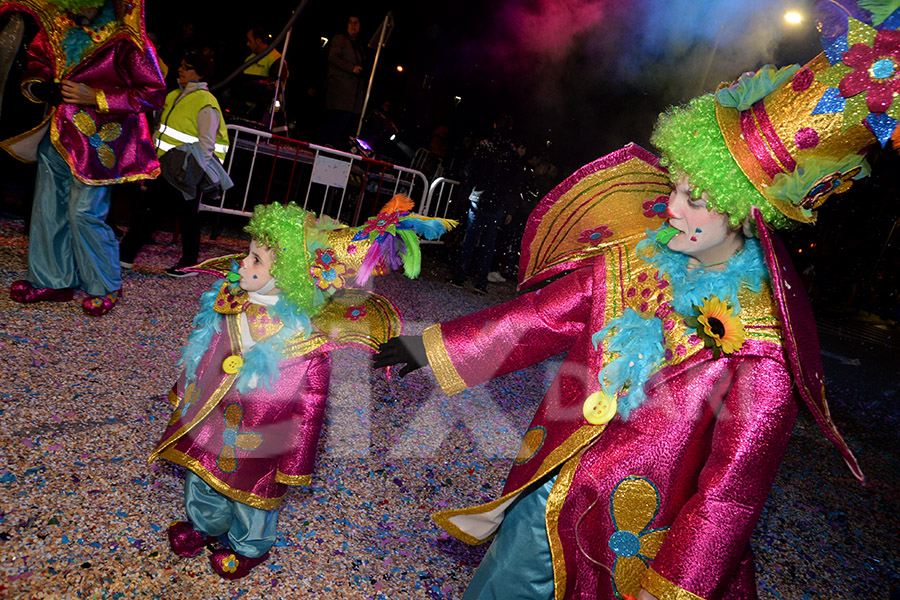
191	117
258	41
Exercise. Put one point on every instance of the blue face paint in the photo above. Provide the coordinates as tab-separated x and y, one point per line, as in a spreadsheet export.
254	277
698	230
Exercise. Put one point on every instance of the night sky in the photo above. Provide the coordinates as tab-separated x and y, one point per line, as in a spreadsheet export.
590	75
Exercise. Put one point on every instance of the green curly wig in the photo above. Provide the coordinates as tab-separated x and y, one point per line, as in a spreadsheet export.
691	142
291	232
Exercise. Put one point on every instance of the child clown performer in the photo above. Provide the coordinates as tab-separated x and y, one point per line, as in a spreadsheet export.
690	340
249	407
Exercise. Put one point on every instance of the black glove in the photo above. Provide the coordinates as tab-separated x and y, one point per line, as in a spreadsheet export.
47	91
409	349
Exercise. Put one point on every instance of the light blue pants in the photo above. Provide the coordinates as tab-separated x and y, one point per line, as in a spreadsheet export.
70	244
251	531
518	565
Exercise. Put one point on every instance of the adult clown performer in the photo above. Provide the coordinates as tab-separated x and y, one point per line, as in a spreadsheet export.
690	340
93	66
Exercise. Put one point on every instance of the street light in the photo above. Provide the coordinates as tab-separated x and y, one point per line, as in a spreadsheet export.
793	17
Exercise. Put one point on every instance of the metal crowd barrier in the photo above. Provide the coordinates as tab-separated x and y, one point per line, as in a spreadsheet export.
347	187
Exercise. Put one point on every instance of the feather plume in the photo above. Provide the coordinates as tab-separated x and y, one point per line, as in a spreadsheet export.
412	255
398	203
429	228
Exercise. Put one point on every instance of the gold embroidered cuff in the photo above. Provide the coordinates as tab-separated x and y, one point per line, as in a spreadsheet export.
293	479
664	589
440	362
102	104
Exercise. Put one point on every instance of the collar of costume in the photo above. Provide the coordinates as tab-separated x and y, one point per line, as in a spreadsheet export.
746	268
639	342
270	326
73	43
260	311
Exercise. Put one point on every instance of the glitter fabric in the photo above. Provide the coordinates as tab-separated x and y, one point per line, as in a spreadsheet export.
729	418
284	423
124	66
591	211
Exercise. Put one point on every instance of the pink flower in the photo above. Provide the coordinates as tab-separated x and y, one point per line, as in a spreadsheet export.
381	223
355	313
875	71
595	236
658	207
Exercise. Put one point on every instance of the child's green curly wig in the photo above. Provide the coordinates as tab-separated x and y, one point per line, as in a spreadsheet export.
691	142
291	233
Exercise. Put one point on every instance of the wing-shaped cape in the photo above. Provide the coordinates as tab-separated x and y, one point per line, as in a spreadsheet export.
801	341
610	200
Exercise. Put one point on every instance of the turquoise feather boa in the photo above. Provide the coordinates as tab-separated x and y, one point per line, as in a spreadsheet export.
262	359
638	342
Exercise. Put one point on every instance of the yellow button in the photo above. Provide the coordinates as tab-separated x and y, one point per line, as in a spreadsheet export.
232	364
599	408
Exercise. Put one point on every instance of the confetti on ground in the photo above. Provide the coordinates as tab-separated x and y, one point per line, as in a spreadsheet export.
83	515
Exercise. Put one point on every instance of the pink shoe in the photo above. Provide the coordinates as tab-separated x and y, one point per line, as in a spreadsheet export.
186	541
21	290
231	565
96	306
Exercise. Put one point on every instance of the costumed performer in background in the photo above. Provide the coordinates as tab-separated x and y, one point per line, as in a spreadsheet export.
690	344
249	407
92	63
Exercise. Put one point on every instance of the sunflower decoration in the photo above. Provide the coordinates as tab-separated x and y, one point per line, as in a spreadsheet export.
718	326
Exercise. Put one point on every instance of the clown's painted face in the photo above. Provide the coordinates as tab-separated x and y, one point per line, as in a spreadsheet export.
255	270
704	234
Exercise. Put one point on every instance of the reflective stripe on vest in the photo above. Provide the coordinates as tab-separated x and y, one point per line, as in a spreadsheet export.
184	138
179	122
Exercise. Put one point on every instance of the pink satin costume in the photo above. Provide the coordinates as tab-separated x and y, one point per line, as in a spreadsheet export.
680	484
111	142
249	447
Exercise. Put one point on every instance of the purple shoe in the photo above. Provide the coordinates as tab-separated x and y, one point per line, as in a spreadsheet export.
186	541
97	306
228	564
22	291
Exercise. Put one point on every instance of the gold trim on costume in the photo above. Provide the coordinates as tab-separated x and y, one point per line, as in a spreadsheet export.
248	498
563	452
174	400
293	479
9	142
439	359
214	398
554	506
102	104
664	589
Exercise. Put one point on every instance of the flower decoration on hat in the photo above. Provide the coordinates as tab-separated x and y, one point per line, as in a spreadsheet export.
718	325
328	271
864	78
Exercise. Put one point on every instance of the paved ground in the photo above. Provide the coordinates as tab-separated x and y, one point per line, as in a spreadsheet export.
82	514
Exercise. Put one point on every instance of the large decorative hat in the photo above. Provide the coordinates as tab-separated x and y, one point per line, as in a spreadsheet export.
315	258
784	140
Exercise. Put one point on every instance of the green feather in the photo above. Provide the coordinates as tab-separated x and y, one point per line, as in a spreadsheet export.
412	258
